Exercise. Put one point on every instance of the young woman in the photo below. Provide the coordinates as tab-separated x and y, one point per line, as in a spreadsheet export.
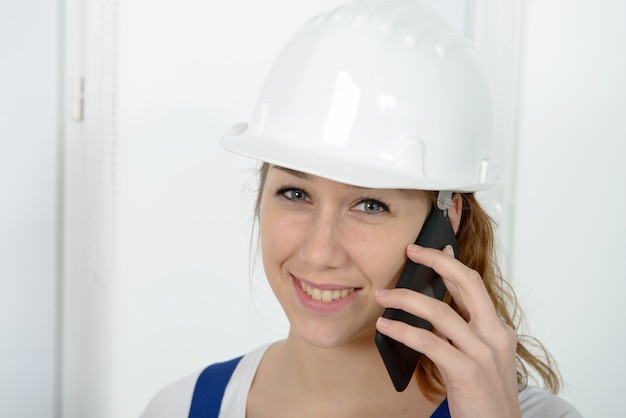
375	115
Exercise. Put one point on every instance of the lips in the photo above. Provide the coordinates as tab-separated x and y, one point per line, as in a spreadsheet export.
322	298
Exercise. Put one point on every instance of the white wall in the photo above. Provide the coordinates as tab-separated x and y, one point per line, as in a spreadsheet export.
28	200
568	245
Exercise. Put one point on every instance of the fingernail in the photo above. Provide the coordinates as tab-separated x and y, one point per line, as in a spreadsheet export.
449	250
383	322
381	292
414	248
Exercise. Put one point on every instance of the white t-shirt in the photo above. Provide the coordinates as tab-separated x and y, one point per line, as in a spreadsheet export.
174	401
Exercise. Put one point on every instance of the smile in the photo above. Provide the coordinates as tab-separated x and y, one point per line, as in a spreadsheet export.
324	299
325	295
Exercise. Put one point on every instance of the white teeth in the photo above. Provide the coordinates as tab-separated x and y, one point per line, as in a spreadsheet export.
325	295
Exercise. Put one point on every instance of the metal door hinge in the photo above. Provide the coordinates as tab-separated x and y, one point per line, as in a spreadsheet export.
77	98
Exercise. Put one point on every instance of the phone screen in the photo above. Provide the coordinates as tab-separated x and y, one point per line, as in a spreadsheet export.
399	359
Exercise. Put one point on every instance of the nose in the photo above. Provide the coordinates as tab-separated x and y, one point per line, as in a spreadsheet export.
323	247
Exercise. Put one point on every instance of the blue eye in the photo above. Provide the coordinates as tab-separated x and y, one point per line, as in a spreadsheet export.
371	206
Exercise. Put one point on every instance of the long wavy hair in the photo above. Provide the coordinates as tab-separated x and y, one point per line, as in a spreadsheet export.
476	239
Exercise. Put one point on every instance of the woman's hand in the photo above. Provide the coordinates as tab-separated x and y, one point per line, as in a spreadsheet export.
474	350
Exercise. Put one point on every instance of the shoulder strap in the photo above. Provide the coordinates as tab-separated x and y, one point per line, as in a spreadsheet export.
210	387
442	411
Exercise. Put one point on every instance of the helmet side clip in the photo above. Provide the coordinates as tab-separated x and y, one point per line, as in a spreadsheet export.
444	201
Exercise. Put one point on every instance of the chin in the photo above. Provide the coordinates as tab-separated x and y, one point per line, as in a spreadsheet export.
332	338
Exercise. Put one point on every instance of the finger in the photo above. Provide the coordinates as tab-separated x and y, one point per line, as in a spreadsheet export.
464	284
453	289
437	349
449	325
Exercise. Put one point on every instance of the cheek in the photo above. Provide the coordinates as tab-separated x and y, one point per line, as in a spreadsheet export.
267	232
278	238
381	257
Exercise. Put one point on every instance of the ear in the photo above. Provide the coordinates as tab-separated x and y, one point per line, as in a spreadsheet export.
455	210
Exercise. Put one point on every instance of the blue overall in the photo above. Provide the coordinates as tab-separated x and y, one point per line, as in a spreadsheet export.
211	384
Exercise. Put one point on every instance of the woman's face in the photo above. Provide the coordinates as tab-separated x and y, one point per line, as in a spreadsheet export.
328	246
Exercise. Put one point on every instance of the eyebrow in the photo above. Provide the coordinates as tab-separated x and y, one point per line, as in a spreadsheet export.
306	176
294	173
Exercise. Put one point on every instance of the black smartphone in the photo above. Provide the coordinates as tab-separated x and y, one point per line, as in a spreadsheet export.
399	359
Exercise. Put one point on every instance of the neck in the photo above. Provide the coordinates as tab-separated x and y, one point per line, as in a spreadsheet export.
347	380
335	371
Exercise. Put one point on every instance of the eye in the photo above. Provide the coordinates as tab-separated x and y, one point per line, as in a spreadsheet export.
293	193
371	206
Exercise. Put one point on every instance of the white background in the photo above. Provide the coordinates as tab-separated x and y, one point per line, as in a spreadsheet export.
29	132
141	275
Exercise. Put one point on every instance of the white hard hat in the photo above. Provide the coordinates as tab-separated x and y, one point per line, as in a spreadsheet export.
378	94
